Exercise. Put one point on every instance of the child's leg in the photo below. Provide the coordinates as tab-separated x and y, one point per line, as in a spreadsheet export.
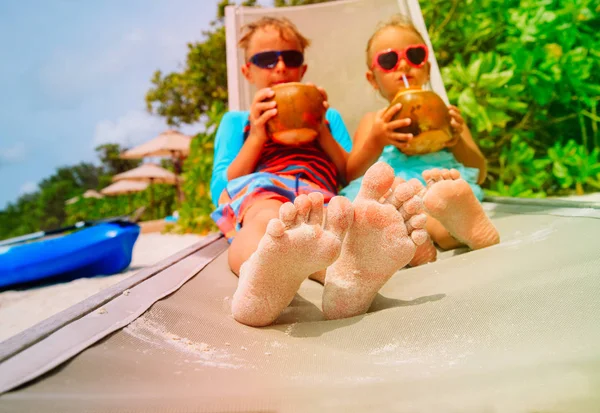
426	252
450	200
440	235
294	246
382	239
254	227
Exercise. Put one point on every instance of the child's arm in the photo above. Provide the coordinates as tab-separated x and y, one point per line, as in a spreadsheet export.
365	151
260	112
334	139
466	150
374	132
334	150
228	143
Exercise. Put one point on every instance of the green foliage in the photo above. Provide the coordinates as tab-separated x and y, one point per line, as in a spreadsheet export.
526	77
574	166
113	164
194	213
184	97
93	209
45	209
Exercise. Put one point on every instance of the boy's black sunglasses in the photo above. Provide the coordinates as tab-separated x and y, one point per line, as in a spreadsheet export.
268	60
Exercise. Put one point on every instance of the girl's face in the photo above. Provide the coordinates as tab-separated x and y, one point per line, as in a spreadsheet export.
389	83
269	39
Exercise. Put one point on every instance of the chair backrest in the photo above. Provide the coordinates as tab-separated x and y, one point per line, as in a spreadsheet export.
339	32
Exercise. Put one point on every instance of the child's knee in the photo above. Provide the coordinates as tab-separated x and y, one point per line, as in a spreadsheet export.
261	217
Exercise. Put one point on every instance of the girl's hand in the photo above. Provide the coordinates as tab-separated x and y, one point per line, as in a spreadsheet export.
383	129
457	123
260	113
325	102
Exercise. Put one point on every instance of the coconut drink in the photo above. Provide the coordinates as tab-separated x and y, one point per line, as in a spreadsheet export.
299	115
430	121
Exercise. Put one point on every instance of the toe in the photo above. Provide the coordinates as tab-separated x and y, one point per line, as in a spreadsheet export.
275	228
416	184
287	214
377	182
427	174
446	174
432	176
401	194
411	207
340	215
419	236
302	204
454	174
397	181
315	216
416	222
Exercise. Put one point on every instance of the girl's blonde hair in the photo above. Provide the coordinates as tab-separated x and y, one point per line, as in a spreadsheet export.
285	27
399	21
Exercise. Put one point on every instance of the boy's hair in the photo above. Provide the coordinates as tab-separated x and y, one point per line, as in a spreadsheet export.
399	21
285	27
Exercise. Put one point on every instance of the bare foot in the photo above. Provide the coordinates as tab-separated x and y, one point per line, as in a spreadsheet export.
382	239
295	246
450	200
424	254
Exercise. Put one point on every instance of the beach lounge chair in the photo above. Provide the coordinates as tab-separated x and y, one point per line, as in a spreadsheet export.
510	328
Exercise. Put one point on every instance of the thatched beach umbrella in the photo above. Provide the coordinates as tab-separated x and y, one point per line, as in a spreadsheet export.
170	143
125	187
90	193
151	174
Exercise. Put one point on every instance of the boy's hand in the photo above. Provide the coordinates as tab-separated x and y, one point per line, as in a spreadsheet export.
260	113
457	123
383	129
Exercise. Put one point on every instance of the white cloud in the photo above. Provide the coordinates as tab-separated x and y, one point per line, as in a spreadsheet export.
130	129
135	36
27	188
12	154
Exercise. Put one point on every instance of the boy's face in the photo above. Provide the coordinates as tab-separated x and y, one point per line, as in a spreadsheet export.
389	83
269	39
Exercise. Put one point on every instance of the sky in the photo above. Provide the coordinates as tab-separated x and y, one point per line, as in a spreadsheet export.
74	74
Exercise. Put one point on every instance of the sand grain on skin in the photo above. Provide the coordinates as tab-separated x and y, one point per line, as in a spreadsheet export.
382	239
295	246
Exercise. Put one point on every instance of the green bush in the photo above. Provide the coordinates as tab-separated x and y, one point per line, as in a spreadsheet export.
121	205
194	215
526	75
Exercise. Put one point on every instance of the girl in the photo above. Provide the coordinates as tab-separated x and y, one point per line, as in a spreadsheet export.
396	52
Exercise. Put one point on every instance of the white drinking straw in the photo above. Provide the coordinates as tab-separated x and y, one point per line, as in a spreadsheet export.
405	81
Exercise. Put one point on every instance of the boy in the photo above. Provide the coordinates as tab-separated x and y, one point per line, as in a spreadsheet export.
275	245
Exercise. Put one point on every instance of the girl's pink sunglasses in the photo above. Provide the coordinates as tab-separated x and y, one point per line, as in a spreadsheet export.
388	60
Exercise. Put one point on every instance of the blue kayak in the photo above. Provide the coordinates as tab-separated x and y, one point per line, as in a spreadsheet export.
102	249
